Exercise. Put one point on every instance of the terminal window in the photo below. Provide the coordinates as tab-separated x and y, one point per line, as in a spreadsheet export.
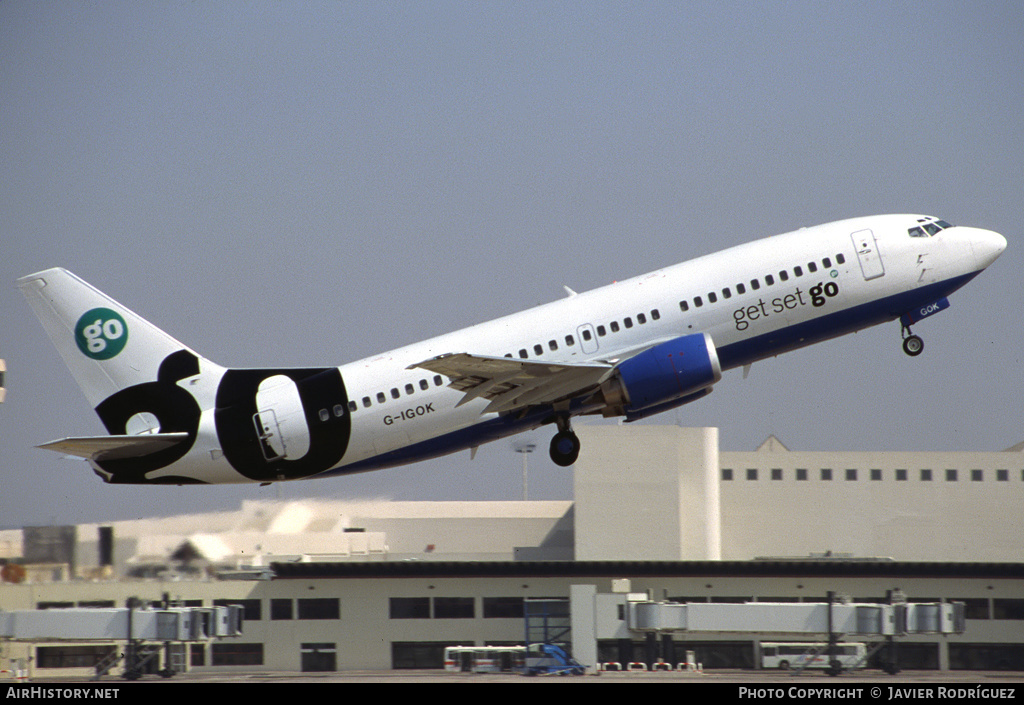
1007	608
230	653
503	608
281	608
252	610
454	608
410	608
319	608
726	473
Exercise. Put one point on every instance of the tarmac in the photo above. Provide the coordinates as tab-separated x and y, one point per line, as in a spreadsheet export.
773	681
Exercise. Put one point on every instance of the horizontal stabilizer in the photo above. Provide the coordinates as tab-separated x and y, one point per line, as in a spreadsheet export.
115	447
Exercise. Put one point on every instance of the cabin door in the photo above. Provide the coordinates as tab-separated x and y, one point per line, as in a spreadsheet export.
867	252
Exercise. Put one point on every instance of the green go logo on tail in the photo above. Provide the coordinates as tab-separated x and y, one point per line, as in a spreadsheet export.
101	333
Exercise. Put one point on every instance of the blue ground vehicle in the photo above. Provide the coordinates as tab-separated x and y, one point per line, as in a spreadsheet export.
549	659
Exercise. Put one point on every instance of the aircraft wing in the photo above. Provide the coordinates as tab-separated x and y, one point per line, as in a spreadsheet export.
512	384
115	447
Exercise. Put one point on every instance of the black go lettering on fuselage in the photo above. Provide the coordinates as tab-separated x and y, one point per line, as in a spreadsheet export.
175	410
817	296
319	388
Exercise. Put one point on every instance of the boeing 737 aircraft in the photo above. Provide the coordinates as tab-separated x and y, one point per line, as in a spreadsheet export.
630	349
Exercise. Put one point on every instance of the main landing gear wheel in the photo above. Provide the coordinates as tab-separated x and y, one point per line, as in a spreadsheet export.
913	345
565	448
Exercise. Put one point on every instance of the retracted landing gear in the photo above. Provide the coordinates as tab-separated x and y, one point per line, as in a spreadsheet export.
565	446
912	344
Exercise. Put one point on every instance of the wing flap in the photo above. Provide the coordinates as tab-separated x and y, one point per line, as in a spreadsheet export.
115	447
510	384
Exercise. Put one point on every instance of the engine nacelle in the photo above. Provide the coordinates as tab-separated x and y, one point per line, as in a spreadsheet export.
669	372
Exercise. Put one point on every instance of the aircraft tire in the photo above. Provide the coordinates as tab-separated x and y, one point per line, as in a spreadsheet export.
565	448
913	345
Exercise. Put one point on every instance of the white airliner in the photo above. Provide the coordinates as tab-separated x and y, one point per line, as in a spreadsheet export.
630	349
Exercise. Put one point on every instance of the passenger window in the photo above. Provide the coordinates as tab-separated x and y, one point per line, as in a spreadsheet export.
352	406
697	301
827	262
324	415
614	326
684	306
523	354
798	271
409	389
394	393
655	315
425	385
366	402
438	381
569	341
726	293
339	410
586	335
601	331
641	318
381	398
784	275
628	322
740	289
755	284
769	279
552	345
712	297
840	258
812	267
538	349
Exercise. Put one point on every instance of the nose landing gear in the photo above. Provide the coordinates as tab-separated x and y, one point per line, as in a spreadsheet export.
912	344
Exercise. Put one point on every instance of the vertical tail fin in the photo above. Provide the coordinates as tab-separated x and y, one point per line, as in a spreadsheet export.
106	346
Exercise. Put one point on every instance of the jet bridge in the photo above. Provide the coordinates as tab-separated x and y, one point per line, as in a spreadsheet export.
135	626
627	615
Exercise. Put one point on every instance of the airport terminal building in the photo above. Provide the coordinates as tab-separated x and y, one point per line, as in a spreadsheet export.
347	585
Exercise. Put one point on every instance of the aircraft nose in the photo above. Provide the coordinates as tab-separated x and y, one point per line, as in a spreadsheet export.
987	246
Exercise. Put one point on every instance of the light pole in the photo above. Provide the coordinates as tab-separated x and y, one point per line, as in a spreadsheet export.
524	449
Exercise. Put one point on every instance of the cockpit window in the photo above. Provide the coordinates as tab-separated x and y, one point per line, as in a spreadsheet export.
928	227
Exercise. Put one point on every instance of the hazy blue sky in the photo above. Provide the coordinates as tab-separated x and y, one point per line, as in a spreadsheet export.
279	183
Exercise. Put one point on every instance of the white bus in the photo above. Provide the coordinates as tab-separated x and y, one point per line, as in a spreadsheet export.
808	654
484	659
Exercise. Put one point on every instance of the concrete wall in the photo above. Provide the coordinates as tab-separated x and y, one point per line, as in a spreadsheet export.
647	493
969	514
